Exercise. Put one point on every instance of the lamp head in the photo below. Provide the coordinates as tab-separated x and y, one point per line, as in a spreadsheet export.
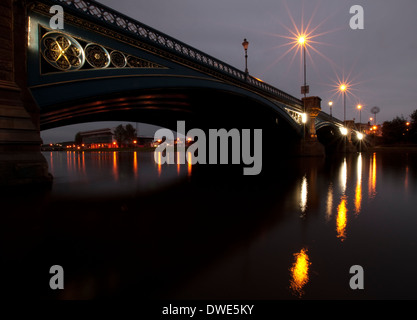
245	44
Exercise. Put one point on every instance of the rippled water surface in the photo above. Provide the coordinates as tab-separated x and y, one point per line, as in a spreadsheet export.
121	225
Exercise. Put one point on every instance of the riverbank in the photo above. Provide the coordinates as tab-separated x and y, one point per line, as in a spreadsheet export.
137	149
395	148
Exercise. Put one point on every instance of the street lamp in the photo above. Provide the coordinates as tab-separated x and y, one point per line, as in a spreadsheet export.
360	117
245	45
343	89
304	90
360	135
330	105
302	42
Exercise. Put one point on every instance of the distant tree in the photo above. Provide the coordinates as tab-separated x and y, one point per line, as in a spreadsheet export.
413	127
120	134
130	134
78	138
395	131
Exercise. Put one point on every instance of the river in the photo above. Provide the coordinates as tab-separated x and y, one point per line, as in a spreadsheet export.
121	225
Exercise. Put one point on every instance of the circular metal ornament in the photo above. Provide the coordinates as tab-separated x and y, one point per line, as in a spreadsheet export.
62	51
97	56
118	59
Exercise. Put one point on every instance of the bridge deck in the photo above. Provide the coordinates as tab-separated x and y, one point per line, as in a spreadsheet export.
104	15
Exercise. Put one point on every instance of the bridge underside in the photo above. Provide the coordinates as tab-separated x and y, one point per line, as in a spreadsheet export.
202	108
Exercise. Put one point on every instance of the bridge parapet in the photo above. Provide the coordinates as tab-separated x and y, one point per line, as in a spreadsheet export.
117	21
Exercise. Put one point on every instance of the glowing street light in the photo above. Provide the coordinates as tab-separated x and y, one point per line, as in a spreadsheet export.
344	131
343	89
304	89
360	135
302	41
304	118
360	117
330	105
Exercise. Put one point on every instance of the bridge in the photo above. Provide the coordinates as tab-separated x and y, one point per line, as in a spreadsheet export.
104	65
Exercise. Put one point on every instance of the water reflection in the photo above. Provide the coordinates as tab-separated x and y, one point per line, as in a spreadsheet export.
343	176
329	208
406	178
135	163
372	177
332	193
303	194
299	272
341	219
83	163
358	190
159	163
189	163
114	172
350	190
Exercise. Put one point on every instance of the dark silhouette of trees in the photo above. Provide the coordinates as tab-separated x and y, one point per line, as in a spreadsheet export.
399	130
124	135
130	134
413	127
78	138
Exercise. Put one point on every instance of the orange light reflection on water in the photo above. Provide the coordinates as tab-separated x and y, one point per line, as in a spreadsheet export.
135	163
189	163
299	272
115	170
358	191
372	177
341	219
159	164
178	163
329	209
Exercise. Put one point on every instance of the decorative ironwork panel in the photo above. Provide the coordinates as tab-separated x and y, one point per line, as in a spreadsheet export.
97	56
66	53
62	51
297	116
118	59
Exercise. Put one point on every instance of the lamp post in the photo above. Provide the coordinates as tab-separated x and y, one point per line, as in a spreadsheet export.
302	42
343	89
330	105
304	88
360	126
245	45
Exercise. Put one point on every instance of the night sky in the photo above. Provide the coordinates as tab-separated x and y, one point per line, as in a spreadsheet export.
378	62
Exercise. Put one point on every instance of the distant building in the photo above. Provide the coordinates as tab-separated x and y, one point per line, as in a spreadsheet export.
369	129
100	138
146	141
104	138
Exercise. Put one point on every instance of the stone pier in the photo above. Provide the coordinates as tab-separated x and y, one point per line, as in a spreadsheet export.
310	146
21	162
